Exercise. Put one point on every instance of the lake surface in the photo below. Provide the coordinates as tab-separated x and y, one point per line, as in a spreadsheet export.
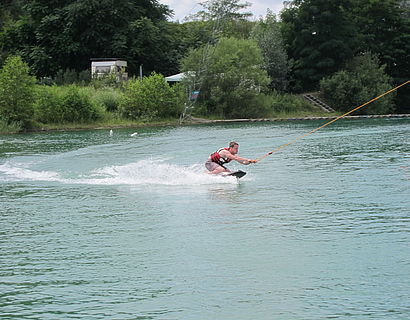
94	226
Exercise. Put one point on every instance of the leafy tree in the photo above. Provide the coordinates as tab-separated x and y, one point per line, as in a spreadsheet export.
226	18
319	37
195	34
234	81
384	29
223	10
362	80
16	91
153	44
268	36
10	10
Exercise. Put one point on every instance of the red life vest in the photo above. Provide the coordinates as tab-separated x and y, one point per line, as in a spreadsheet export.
216	157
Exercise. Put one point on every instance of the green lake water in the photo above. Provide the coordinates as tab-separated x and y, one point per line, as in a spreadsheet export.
94	226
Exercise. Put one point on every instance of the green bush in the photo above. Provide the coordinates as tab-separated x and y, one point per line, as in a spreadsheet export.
108	97
17	89
363	80
66	104
238	103
48	106
150	98
79	107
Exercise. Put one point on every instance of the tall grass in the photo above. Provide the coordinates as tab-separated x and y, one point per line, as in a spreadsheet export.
9	127
289	104
109	98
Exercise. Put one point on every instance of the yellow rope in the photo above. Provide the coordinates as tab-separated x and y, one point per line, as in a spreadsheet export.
326	124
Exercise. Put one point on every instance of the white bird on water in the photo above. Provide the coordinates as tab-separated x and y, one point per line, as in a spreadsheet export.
134	134
111	133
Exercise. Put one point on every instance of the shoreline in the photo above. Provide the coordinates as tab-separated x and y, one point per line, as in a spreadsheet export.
198	121
206	121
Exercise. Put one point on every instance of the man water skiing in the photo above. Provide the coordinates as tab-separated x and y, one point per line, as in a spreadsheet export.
217	160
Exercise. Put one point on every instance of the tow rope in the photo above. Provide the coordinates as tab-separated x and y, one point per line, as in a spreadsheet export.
340	117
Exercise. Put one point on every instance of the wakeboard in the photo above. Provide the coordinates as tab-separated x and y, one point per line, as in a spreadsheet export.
238	174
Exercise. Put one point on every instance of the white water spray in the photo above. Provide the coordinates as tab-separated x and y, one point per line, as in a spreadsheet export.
143	172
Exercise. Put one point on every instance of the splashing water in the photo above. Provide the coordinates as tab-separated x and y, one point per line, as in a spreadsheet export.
143	172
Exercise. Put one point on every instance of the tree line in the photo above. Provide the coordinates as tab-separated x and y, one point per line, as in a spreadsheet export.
312	45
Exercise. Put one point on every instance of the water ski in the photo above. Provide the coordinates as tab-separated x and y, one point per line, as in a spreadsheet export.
238	174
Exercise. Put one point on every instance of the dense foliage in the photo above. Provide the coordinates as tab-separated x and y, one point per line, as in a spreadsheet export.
363	79
150	98
66	104
16	92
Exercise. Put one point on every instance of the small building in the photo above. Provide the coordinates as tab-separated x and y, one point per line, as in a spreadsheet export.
102	67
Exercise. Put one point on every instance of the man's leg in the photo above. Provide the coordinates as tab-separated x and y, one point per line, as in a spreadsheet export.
215	168
219	170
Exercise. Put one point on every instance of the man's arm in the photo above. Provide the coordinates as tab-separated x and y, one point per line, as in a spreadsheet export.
227	154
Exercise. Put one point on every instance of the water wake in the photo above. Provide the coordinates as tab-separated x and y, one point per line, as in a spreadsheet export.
143	172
